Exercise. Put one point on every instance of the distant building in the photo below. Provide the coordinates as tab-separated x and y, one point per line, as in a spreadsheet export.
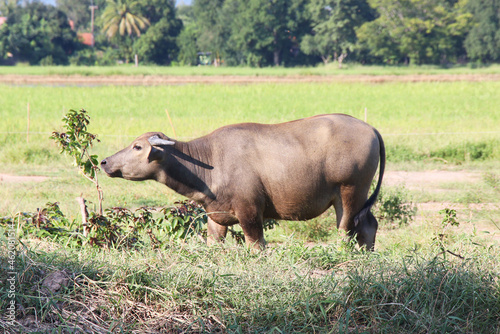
3	19
85	38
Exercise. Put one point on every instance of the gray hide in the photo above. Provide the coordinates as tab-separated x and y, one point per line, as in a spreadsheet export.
245	173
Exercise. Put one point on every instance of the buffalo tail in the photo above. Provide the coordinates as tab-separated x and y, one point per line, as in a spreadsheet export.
361	216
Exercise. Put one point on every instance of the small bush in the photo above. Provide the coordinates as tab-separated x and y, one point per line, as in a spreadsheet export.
47	61
492	179
116	228
394	209
107	57
401	153
48	222
466	152
449	220
453	153
85	57
119	227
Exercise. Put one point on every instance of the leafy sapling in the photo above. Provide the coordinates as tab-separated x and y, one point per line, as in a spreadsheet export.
76	141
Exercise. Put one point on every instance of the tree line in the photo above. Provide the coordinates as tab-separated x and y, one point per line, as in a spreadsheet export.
252	32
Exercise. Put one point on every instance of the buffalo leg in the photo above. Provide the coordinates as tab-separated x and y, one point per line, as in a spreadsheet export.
216	233
342	221
339	211
254	235
254	232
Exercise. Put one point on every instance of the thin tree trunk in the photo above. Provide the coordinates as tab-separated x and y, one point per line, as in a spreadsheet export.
85	215
276	58
341	58
276	52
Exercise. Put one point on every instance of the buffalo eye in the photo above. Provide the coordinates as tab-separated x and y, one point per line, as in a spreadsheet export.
137	147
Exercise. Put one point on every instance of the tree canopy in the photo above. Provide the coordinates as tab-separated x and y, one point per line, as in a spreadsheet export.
153	23
37	33
419	31
78	11
254	32
121	16
159	43
333	27
483	41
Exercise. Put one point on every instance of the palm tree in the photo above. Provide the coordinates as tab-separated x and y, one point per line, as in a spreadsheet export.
122	16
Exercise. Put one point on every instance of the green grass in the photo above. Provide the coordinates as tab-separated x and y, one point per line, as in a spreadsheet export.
289	288
419	121
330	69
404	112
424	277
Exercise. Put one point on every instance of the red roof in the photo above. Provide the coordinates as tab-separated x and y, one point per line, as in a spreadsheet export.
85	38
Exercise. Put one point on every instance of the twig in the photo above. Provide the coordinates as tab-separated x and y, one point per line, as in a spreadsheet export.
93	179
448	251
459	256
28	125
85	215
171	124
344	263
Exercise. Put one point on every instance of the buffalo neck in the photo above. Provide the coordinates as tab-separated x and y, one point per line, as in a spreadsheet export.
187	169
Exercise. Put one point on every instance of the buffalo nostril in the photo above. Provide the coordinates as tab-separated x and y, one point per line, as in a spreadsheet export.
103	162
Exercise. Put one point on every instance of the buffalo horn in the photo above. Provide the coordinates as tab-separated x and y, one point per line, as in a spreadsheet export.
157	141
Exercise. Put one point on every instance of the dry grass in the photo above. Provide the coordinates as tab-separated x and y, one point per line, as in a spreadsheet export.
292	287
155	80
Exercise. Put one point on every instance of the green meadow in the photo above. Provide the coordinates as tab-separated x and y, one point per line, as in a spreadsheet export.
426	276
415	113
421	122
329	69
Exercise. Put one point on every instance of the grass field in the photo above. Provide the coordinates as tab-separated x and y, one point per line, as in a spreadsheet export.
330	69
415	119
425	277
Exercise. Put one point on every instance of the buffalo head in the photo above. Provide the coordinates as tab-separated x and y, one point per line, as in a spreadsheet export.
140	160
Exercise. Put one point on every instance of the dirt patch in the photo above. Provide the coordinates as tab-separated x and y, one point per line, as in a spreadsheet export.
7	178
428	180
54	282
433	181
153	80
436	206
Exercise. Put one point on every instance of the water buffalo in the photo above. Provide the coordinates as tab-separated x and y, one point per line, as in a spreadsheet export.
245	173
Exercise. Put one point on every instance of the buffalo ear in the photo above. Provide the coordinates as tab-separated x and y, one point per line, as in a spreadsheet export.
155	154
157	141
